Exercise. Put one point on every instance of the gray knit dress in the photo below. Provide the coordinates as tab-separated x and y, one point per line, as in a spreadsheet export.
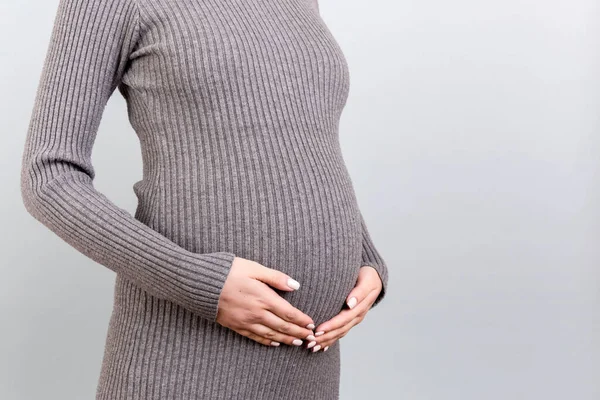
236	104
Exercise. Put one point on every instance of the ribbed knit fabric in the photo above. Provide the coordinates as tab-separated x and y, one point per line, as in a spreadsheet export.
237	106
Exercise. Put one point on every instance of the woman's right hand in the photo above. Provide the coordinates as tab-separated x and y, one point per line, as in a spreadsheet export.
249	306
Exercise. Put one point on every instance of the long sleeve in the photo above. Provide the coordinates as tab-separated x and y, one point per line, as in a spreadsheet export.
372	257
88	53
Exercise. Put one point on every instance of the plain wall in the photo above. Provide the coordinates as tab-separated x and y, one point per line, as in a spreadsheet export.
472	133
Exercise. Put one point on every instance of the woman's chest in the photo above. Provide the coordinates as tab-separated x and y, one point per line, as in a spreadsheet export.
234	53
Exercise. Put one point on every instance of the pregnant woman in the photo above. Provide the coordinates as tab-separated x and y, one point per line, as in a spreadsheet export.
247	258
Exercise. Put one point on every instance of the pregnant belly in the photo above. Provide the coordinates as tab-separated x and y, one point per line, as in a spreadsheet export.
325	259
303	221
317	244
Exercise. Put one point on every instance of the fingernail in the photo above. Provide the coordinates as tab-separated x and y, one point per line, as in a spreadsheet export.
316	348
326	347
352	302
311	344
310	326
310	337
293	284
319	333
297	342
274	343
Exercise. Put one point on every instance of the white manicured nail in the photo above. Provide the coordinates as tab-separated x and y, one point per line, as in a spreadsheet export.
311	344
326	347
274	343
352	302
297	342
316	348
293	284
319	333
310	326
310	337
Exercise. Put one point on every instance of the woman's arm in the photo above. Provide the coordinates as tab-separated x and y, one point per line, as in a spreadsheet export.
371	257
87	55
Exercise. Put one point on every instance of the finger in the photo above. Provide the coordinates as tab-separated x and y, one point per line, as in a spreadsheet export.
345	316
341	319
358	293
331	337
336	333
274	278
284	310
273	335
310	344
289	329
257	338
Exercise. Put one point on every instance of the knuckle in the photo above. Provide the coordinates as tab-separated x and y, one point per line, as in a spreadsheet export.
258	338
285	327
261	302
270	334
252	317
290	315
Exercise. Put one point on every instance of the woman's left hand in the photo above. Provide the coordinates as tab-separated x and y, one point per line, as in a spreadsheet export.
359	301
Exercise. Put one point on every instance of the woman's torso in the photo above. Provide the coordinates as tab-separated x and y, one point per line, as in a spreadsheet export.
239	132
237	107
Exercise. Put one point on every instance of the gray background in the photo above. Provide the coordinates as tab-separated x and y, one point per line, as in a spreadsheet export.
472	135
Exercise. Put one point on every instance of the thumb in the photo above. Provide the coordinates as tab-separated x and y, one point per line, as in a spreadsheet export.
357	294
276	279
